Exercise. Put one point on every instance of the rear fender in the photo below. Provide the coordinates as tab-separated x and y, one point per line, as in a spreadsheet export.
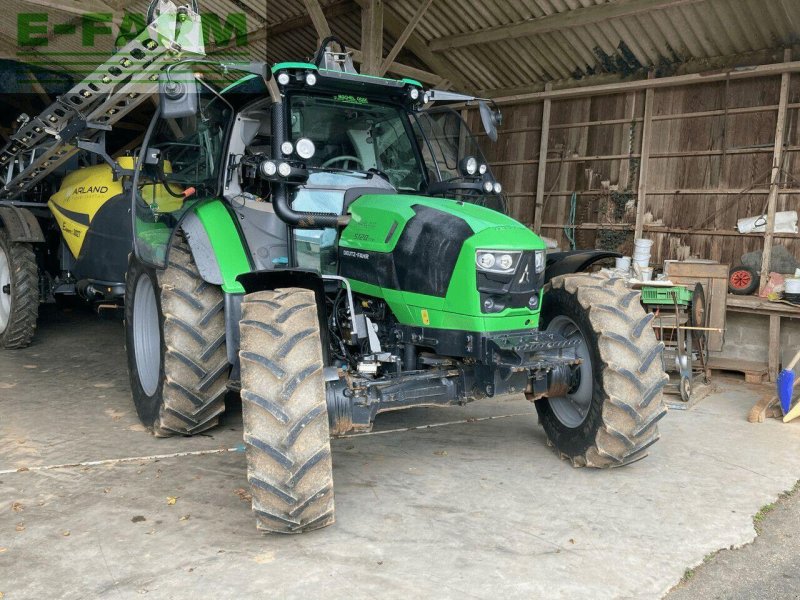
20	224
576	261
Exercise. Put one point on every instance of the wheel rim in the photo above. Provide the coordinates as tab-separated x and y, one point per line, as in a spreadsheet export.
5	290
573	408
741	279
146	335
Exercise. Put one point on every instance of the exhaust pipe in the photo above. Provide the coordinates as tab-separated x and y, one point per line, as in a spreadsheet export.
280	195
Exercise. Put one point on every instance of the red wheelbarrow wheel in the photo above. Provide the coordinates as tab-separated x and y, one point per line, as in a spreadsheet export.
743	280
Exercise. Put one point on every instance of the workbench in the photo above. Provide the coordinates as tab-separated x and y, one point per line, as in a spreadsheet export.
775	311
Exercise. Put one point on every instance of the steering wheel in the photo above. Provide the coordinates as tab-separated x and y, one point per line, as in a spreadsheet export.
343	159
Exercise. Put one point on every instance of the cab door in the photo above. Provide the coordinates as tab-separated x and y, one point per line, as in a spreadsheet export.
181	165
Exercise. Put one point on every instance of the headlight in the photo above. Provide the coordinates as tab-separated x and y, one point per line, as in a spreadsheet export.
486	260
497	187
414	93
505	262
283	78
305	148
497	261
540	261
482	169
311	79
468	165
284	170
287	148
488	186
268	168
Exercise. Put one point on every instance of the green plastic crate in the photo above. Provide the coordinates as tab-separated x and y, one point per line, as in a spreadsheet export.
666	295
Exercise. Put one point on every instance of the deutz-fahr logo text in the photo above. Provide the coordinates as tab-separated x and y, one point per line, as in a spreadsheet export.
92	189
354	254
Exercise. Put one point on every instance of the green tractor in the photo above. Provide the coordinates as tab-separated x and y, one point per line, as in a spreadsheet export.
339	253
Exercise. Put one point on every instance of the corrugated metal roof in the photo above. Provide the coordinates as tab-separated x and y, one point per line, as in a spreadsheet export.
624	37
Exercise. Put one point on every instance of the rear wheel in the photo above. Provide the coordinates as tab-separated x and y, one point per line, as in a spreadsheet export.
284	410
608	417
19	293
175	340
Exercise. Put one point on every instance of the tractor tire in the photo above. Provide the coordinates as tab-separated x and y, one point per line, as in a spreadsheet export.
175	341
19	293
608	417
285	414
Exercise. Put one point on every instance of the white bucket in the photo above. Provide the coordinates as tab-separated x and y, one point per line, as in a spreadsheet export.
643	243
642	262
623	263
647	274
792	285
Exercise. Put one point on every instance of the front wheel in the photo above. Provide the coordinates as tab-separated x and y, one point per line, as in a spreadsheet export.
175	341
285	413
608	416
19	293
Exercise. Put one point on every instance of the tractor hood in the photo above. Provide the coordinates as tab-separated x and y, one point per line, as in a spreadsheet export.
419	253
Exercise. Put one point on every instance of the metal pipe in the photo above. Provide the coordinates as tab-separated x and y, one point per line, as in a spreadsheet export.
280	192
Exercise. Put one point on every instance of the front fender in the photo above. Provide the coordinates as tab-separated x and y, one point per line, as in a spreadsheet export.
576	261
20	224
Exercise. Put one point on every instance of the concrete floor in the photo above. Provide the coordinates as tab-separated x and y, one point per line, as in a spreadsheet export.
474	509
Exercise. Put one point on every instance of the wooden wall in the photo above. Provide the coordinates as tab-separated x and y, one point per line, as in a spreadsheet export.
710	159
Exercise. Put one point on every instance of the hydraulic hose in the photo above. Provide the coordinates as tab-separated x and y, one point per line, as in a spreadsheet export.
280	197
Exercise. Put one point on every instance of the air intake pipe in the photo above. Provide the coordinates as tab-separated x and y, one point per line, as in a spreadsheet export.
280	193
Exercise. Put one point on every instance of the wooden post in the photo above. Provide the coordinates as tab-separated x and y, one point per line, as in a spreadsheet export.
372	36
777	162
647	134
542	170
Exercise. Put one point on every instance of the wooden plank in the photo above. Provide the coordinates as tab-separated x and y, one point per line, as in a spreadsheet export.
567	19
761	306
318	19
403	38
753	371
773	359
647	134
542	171
655	83
775	177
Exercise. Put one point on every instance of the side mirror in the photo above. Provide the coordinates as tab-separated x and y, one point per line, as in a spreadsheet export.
178	94
491	119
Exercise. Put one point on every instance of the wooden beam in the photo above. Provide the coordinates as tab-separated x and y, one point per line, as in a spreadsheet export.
395	25
406	71
372	36
81	9
641	192
401	41
657	83
318	19
542	170
777	164
331	11
590	15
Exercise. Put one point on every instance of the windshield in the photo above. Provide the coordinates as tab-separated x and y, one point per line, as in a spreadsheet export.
353	134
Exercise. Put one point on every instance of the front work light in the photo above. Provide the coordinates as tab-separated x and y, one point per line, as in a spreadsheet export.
468	166
305	148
